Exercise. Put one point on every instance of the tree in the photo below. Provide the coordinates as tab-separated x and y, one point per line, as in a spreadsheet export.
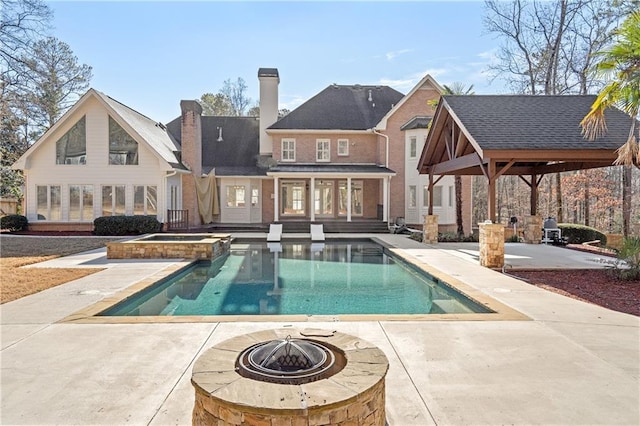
621	63
458	88
55	80
547	46
11	148
215	104
231	100
22	22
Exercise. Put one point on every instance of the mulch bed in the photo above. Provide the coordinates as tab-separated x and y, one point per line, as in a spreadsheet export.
599	286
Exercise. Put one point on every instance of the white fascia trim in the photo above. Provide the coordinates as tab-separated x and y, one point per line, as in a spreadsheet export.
382	125
20	163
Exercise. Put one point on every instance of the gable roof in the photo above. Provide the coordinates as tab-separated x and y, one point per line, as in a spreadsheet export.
519	134
341	107
148	131
427	80
534	121
236	154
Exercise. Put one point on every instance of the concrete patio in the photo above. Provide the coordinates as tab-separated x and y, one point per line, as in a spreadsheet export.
573	363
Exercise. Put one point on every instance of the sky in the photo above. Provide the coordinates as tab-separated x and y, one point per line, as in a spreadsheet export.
149	55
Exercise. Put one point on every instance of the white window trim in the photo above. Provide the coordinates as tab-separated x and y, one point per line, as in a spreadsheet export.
413	139
236	199
346	145
321	142
282	143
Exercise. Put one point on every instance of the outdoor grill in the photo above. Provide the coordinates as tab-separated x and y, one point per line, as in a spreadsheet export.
287	361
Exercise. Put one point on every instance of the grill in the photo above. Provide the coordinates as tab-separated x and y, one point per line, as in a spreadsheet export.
286	361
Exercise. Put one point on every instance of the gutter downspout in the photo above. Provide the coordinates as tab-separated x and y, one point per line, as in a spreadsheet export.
386	164
386	160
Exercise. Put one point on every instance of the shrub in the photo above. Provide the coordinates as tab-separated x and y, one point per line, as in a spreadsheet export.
630	254
126	225
513	239
452	237
578	234
13	222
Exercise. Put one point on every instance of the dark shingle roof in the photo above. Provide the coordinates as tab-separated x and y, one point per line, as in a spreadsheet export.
329	168
240	145
499	122
417	123
342	108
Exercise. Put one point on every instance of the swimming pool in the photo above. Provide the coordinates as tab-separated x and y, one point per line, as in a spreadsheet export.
298	278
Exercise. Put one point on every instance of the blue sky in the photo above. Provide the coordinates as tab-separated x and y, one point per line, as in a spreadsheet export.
150	55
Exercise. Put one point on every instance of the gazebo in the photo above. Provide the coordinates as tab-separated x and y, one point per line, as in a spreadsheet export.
524	135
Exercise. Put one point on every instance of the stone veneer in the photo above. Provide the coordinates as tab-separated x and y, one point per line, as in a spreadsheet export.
492	245
532	229
209	247
430	234
353	396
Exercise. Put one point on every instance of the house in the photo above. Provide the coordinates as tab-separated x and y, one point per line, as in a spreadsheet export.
348	154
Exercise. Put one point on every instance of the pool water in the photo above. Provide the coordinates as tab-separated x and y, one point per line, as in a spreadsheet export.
290	278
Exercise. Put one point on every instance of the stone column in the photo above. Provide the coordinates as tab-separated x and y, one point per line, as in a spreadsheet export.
532	229
430	229
492	245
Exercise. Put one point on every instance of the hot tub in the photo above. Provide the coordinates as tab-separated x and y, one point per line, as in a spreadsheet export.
170	246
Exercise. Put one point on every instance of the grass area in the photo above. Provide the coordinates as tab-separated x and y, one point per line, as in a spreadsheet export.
16	252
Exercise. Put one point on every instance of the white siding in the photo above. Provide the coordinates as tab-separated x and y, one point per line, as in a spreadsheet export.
446	214
43	170
235	214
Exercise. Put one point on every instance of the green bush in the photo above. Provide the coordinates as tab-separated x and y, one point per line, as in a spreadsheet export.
578	234
13	222
126	225
452	237
630	254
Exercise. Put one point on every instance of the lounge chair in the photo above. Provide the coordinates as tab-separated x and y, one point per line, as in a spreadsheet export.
275	232
317	232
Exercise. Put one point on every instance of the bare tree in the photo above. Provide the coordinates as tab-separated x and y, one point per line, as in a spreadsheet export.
236	92
22	22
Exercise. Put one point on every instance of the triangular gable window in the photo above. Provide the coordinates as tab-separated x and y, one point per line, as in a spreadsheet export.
123	149
71	148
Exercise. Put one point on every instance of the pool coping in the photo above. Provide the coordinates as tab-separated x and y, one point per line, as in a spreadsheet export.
502	312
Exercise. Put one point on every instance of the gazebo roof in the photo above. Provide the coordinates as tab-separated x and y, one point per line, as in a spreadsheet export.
517	135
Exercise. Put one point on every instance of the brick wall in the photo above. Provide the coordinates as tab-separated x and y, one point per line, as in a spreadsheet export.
191	156
362	147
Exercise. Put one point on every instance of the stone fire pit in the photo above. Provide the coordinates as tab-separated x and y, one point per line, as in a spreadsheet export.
347	386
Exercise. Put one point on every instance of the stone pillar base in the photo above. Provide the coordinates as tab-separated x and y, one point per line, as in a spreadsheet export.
532	229
492	245
430	229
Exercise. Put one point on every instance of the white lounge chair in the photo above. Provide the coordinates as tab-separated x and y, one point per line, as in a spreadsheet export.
275	232
317	232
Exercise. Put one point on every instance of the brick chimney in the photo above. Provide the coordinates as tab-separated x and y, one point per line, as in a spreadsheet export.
269	80
191	156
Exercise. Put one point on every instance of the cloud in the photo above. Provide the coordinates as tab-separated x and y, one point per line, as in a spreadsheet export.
293	102
411	80
391	55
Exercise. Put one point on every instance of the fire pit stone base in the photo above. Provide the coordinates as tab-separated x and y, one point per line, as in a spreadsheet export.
355	395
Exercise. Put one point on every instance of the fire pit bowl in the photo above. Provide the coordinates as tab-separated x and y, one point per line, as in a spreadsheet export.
288	376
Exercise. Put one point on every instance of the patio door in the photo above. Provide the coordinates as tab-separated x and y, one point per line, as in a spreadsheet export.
323	198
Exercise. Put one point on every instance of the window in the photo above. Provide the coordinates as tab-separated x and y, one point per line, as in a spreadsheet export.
48	202
356	198
451	196
412	196
323	198
145	200
255	197
322	150
80	202
412	147
288	150
293	198
235	196
343	147
113	200
71	148
425	196
123	149
437	196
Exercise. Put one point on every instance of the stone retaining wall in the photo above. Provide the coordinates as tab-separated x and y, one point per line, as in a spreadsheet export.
205	249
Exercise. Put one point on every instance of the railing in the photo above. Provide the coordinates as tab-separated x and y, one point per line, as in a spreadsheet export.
177	219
